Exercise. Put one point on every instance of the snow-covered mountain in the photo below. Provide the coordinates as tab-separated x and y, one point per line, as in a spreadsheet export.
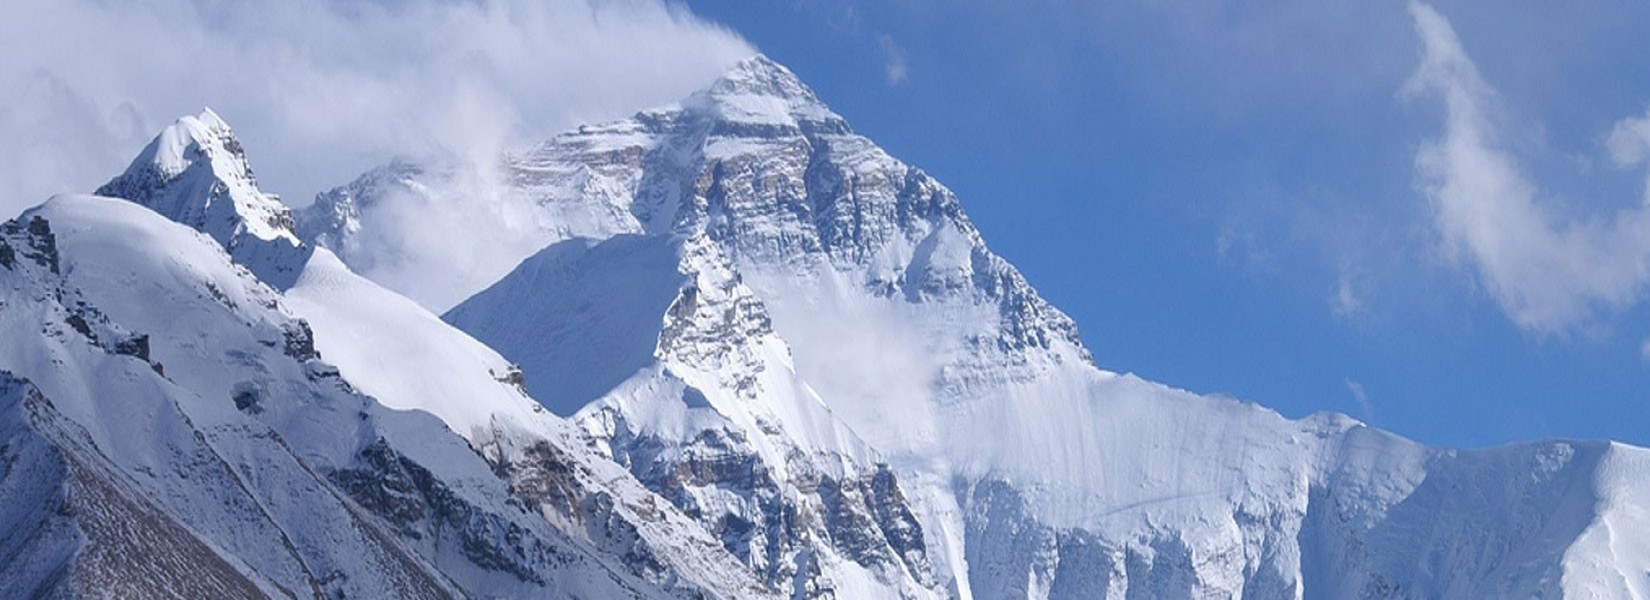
723	349
685	272
171	428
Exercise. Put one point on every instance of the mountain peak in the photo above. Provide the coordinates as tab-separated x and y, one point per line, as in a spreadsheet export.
205	139
758	90
760	75
196	173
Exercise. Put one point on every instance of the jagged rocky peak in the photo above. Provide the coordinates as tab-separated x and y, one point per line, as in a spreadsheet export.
786	200
196	173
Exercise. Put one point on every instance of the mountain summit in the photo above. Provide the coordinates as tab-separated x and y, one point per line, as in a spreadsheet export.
758	91
196	173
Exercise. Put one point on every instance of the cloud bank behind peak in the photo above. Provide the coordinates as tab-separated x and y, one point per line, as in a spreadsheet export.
320	91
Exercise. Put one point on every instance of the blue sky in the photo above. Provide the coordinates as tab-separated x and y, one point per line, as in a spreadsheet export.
1429	217
1230	199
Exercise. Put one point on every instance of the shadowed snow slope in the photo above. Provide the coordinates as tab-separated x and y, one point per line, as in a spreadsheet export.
612	298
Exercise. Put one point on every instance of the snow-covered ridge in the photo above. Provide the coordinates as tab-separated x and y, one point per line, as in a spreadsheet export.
173	384
195	172
755	160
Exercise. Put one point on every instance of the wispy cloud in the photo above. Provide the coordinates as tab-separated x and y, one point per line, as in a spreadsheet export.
1242	248
894	66
321	90
1629	142
1346	301
1549	271
1360	396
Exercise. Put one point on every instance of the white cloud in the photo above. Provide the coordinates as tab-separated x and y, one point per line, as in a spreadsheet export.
321	90
1629	145
1361	396
1549	271
1346	301
1242	247
894	67
1629	141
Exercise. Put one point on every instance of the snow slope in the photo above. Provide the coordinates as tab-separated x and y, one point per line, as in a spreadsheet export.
408	359
174	453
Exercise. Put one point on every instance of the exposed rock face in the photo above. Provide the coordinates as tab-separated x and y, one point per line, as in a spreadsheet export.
73	528
795	529
35	243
